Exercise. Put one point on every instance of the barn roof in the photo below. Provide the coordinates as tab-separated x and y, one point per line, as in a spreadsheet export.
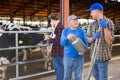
41	8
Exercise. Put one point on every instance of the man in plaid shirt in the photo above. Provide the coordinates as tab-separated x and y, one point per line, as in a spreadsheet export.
57	49
100	70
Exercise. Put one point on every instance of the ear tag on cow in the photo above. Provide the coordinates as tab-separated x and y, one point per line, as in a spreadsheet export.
20	42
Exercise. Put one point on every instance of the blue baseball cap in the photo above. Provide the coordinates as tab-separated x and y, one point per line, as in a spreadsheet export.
96	6
72	17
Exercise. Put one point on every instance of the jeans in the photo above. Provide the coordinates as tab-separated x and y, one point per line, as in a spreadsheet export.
100	70
59	68
73	63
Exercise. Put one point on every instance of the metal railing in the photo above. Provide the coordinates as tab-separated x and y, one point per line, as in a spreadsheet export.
21	47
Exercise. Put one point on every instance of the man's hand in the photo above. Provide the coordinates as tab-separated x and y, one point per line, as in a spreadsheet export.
71	37
103	23
96	36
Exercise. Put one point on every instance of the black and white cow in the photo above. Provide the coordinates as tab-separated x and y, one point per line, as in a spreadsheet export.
8	40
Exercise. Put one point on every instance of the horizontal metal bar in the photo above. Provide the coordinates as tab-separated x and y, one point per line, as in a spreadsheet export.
32	75
116	35
34	60
21	47
35	32
25	62
118	44
25	31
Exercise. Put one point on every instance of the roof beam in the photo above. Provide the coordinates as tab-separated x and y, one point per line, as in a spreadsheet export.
23	6
40	9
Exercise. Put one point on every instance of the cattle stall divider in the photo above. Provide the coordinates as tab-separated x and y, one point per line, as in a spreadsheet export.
21	47
21	62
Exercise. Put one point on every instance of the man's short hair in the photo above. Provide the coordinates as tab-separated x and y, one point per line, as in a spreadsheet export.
54	16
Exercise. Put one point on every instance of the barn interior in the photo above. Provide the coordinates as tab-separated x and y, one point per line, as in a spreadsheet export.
26	12
38	10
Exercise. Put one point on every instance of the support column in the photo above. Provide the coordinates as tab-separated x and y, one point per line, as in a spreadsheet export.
11	13
24	13
64	11
49	12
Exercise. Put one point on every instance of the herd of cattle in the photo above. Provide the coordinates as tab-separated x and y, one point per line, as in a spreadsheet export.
8	40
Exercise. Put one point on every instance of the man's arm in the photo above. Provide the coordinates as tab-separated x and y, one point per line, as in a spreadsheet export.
107	35
95	36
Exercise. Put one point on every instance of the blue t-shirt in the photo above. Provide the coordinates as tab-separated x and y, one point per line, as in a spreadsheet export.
69	49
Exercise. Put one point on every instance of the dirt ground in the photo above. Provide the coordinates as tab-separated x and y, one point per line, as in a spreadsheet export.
36	67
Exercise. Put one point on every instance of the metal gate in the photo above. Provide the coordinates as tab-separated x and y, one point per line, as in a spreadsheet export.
20	47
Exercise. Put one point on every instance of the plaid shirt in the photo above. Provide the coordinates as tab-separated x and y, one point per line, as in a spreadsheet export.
57	49
105	50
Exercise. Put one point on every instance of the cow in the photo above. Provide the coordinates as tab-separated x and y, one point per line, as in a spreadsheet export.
7	40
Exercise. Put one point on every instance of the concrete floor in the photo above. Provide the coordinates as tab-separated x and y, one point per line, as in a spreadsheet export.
114	71
114	68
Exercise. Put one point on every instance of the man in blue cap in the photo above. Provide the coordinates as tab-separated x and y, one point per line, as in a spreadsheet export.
100	69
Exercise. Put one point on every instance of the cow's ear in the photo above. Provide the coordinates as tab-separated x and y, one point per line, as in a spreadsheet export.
1	23
12	25
6	26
